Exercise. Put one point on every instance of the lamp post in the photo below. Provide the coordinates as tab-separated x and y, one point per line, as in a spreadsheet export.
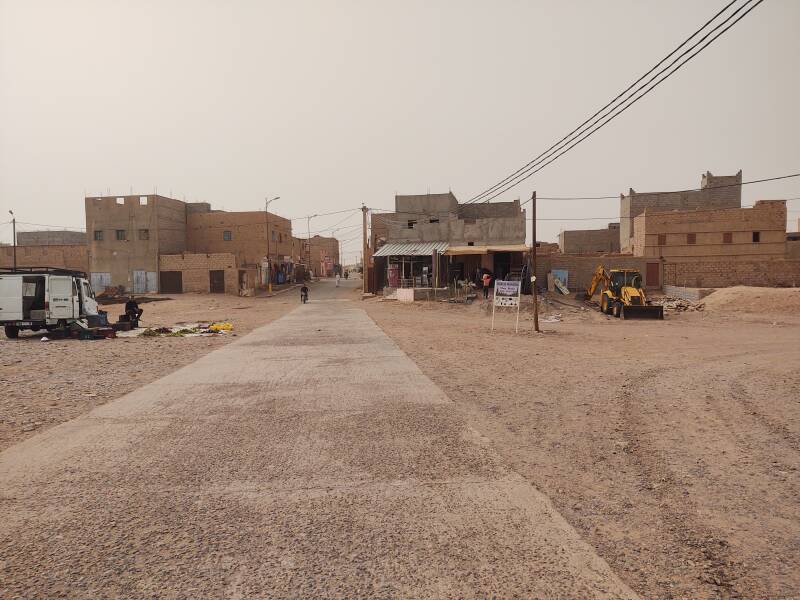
267	202
14	235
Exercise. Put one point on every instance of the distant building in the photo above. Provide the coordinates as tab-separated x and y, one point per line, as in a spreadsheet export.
324	255
590	241
61	237
715	192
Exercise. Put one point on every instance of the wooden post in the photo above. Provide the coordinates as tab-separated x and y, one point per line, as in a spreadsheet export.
533	265
364	259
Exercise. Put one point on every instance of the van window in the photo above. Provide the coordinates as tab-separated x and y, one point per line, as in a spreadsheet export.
87	291
60	286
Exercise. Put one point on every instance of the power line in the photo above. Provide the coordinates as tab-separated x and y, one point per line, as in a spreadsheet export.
566	144
51	226
713	187
336	212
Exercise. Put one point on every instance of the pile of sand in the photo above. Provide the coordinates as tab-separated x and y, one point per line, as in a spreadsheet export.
743	299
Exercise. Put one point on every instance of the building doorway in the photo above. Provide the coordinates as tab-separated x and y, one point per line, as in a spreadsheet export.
217	282
653	275
171	282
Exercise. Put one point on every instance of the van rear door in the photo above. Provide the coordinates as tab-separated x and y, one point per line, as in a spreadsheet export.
61	297
10	297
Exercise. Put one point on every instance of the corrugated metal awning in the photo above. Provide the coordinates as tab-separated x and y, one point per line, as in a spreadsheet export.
411	248
464	250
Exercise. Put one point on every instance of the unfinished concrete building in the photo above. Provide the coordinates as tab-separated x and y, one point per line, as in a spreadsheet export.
715	192
59	237
431	239
590	241
126	234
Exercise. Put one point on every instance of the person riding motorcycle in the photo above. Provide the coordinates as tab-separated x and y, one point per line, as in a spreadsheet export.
304	294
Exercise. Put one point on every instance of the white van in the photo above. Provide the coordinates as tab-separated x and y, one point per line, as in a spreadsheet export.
43	298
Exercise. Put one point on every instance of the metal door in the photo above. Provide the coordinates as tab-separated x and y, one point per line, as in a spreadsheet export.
11	298
100	281
171	282
152	286
217	282
62	303
653	275
139	282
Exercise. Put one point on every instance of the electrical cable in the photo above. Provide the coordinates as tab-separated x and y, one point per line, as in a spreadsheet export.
567	143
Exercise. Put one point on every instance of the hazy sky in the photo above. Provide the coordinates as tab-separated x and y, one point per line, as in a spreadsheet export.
333	103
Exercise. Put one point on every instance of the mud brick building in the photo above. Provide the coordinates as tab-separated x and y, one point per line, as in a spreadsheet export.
586	241
243	234
324	255
126	234
715	192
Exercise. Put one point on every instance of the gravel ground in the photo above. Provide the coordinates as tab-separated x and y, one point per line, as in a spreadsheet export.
46	383
673	447
309	459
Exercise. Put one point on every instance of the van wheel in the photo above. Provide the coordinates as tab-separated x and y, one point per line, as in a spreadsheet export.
12	332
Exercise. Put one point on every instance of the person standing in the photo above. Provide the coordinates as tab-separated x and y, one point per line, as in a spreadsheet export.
487	281
337	278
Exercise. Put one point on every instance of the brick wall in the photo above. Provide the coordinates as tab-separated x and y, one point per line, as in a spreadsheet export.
698	233
725	272
66	257
581	268
51	238
715	192
195	270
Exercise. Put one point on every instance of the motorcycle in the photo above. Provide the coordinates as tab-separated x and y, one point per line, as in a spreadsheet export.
304	297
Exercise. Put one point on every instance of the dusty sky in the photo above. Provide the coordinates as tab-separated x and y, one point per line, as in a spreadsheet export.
331	104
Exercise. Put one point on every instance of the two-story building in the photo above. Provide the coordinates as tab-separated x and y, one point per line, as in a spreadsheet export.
432	239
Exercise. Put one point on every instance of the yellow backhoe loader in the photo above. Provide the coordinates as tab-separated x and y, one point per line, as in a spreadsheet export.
622	294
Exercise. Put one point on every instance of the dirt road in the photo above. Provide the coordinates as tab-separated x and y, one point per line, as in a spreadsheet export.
673	447
47	383
310	458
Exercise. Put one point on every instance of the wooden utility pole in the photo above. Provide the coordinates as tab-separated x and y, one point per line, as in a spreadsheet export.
364	270
533	265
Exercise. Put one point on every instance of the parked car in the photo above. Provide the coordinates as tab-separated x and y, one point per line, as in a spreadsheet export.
39	298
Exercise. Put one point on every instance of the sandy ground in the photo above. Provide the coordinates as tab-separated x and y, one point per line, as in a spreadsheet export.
672	446
309	459
46	383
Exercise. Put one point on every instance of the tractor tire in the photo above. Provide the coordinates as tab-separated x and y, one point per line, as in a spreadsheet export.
604	304
12	331
617	309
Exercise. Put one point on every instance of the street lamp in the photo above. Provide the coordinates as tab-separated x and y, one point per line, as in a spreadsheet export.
267	202
14	235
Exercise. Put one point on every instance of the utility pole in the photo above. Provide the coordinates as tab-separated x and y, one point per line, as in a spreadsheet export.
308	243
269	260
364	250
533	265
14	235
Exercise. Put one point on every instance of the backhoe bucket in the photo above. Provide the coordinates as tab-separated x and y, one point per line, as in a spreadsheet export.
647	311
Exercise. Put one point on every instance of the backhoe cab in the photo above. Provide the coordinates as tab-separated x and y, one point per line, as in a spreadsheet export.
622	294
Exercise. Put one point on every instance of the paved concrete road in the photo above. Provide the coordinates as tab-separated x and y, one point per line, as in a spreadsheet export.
311	458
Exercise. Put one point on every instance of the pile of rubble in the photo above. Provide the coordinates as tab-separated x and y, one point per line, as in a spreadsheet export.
678	304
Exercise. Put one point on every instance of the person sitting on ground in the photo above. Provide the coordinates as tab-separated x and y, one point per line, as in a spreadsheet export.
132	309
